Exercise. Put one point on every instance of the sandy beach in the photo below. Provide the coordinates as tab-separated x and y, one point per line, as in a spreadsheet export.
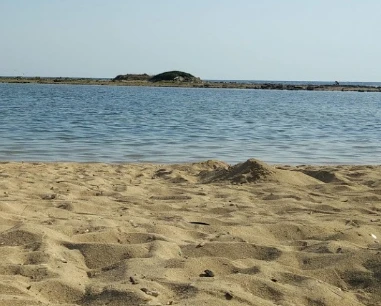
206	233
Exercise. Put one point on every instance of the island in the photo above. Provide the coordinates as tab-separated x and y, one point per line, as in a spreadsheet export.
183	79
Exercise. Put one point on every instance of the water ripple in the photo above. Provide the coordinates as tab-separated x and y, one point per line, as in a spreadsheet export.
167	125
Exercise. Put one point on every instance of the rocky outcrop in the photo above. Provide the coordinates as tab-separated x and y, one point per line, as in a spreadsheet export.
176	76
181	81
132	77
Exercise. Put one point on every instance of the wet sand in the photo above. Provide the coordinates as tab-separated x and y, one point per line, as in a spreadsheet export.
189	234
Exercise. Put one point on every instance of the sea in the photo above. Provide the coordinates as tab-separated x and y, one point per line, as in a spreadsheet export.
118	124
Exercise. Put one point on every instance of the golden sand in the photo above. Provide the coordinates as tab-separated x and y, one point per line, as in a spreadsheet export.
190	234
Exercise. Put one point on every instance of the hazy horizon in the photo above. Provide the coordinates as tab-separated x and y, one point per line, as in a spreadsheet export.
274	40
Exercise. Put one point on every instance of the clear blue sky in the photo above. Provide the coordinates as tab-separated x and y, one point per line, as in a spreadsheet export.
212	39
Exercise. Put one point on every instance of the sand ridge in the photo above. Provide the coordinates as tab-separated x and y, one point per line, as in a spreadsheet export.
206	233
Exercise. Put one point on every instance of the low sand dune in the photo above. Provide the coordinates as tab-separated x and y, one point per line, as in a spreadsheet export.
189	234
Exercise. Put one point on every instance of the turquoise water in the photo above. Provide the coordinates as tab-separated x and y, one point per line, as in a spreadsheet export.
170	125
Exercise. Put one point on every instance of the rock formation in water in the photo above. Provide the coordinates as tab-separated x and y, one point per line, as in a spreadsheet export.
178	76
132	77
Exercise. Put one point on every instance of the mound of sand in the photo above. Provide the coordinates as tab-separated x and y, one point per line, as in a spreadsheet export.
191	234
255	171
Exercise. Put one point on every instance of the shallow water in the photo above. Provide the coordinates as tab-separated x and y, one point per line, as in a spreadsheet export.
170	125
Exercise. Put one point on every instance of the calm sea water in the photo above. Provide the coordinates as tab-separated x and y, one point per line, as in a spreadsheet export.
170	125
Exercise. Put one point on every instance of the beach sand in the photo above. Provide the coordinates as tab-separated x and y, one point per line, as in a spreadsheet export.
189	234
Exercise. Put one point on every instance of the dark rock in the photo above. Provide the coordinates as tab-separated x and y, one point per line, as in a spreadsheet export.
131	77
207	273
178	76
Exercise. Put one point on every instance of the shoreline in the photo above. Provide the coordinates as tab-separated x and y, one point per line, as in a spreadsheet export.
183	163
202	84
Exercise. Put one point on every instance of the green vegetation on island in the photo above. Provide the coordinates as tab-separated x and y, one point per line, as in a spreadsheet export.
178	76
168	76
132	77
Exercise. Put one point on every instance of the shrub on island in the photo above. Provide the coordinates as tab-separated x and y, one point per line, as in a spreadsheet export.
132	77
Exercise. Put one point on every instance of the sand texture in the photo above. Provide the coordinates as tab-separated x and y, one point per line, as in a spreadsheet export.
189	234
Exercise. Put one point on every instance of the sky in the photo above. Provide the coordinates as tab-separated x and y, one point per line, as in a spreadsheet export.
312	40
